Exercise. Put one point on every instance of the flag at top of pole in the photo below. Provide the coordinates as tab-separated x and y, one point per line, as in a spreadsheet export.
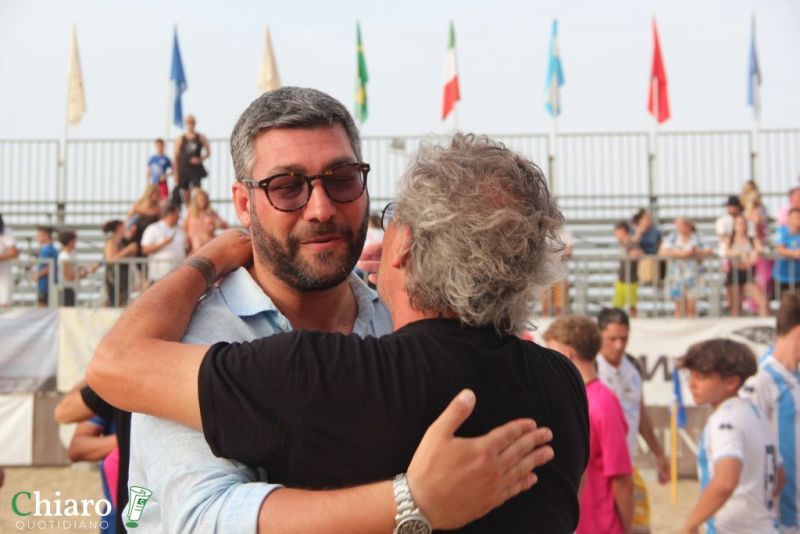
76	100
268	77
753	73
555	76
177	80
362	77
658	101
451	92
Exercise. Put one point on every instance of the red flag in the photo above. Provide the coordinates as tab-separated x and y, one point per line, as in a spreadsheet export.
657	100
451	92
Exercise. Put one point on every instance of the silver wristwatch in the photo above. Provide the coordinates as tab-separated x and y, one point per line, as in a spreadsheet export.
409	518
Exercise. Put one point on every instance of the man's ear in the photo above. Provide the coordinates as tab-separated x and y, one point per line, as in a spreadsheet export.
241	202
402	244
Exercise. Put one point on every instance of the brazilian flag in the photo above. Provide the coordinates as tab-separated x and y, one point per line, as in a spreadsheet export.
361	78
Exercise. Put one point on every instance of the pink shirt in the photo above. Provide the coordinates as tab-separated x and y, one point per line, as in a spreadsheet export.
608	458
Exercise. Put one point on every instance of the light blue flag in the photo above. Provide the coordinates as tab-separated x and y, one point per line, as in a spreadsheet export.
555	76
753	73
178	78
678	394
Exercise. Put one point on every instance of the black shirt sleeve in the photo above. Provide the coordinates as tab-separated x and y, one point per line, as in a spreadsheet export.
96	404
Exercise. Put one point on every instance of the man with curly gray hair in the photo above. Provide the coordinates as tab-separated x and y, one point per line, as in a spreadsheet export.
467	246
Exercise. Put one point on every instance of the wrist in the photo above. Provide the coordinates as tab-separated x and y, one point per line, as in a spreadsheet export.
205	267
409	518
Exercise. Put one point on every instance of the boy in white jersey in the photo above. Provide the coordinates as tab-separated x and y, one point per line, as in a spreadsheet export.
737	459
776	391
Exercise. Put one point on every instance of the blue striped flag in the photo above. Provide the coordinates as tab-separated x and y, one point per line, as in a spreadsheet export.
676	389
178	80
555	76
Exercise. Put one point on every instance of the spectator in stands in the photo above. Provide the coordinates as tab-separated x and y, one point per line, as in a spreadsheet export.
44	236
94	441
756	214
118	246
648	236
724	224
626	288
164	244
685	251
606	497
191	149
787	246
159	167
794	202
8	251
202	221
148	206
621	373
741	252
555	300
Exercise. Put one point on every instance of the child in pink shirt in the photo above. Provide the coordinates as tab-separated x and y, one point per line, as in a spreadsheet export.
606	498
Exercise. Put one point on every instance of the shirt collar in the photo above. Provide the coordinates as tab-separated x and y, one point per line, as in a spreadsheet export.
245	297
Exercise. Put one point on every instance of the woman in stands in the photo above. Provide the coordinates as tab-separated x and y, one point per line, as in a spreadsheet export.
685	251
149	205
743	251
202	221
8	251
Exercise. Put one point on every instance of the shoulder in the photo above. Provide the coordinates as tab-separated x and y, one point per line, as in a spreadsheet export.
550	363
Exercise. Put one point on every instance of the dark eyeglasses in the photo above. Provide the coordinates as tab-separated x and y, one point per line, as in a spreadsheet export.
291	191
388	215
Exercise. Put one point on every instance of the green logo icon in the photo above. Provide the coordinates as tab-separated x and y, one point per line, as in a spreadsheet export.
136	502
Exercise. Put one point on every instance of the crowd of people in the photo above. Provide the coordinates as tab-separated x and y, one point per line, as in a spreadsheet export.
756	269
155	227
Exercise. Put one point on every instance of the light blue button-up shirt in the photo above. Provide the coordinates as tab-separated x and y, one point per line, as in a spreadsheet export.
193	490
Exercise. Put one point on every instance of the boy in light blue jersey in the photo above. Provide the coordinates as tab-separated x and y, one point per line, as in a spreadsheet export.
159	167
776	391
738	462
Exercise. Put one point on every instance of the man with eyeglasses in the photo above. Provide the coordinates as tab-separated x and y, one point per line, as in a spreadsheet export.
301	190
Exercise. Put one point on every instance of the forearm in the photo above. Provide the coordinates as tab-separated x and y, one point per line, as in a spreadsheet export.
361	509
646	430
711	500
139	366
91	448
622	488
72	409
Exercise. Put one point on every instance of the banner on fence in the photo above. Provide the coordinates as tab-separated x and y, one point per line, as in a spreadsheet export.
79	332
16	429
28	357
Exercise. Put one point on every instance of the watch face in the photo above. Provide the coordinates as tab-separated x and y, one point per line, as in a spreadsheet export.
413	526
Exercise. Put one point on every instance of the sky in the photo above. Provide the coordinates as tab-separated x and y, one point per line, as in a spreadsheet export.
606	49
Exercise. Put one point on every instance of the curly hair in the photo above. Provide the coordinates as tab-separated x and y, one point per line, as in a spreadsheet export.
485	232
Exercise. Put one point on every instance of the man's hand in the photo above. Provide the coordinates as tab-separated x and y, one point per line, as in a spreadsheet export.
370	260
228	251
457	480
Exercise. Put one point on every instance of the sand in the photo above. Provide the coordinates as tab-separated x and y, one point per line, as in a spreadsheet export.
83	482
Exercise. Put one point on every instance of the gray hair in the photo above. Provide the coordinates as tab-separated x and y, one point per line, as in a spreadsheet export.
287	107
485	232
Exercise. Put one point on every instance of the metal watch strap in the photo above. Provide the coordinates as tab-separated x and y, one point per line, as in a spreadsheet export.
406	507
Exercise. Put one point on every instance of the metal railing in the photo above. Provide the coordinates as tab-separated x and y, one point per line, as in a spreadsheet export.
653	284
103	176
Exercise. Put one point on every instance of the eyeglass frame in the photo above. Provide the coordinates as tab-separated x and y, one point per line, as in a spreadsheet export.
390	211
264	184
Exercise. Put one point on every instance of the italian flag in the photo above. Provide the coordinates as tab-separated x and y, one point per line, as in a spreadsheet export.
451	94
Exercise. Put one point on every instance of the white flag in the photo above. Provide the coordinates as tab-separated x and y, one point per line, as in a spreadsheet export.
76	101
268	78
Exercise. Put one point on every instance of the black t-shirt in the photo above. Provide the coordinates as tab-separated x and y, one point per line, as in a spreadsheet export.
122	422
327	410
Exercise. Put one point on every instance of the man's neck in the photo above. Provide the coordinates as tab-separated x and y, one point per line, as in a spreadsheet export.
612	363
329	310
786	354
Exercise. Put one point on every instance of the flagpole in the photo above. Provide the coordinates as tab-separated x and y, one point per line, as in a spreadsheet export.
552	155
673	460
654	150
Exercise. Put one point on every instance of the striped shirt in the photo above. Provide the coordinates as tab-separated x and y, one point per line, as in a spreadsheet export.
776	391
